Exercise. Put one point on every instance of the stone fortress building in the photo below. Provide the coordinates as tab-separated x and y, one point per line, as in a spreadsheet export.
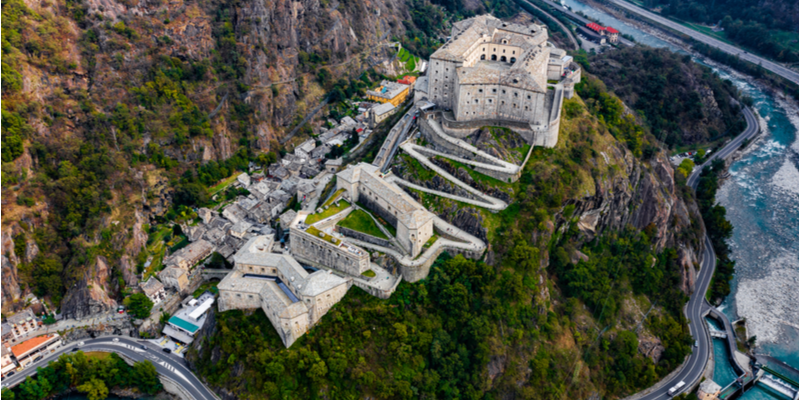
414	224
292	299
496	73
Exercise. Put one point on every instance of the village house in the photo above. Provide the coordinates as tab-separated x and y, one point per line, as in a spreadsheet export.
153	289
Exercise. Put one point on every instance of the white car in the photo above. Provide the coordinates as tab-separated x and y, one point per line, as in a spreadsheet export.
81	344
115	340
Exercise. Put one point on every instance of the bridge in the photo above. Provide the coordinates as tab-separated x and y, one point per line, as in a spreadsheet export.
211	274
718	334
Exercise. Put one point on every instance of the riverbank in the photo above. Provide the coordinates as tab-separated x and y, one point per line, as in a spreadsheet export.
761	197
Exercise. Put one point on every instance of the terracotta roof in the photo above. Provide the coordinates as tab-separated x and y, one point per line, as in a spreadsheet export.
23	348
599	28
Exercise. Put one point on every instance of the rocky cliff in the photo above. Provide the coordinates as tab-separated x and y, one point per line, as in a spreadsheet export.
137	93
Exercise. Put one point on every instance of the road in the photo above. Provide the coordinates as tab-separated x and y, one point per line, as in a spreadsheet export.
585	21
697	306
730	49
169	365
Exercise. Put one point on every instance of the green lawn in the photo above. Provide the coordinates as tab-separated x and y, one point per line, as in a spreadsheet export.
320	234
431	241
332	198
388	226
360	221
369	273
207	286
332	210
223	184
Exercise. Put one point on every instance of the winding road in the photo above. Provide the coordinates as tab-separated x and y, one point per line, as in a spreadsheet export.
168	365
693	368
730	49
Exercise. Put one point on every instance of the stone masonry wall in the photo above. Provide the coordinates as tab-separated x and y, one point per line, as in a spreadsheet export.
364	237
316	251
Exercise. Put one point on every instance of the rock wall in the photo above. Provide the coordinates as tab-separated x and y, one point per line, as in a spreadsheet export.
90	294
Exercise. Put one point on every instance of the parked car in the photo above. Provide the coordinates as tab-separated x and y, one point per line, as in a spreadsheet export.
115	340
166	350
37	359
10	374
81	344
74	349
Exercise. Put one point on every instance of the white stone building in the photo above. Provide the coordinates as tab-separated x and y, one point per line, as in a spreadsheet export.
493	71
292	299
364	184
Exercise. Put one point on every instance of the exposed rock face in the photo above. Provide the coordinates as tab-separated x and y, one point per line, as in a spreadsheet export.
10	282
647	196
90	295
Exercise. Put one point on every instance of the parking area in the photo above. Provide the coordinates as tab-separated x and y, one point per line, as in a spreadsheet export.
165	342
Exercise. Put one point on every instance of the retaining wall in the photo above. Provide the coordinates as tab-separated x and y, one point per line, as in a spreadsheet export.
363	236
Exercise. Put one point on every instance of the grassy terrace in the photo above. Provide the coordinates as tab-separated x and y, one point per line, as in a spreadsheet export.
223	184
431	241
369	273
360	221
392	230
332	198
332	210
320	234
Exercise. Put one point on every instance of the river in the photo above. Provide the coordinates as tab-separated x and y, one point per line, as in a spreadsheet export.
761	198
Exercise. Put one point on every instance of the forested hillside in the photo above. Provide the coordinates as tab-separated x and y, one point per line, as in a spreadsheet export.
684	103
598	231
766	27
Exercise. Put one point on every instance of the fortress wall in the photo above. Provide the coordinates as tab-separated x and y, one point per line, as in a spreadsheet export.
316	251
238	300
364	237
376	208
379	293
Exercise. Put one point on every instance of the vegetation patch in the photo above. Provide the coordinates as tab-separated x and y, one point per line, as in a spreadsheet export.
332	210
360	221
333	197
322	235
369	273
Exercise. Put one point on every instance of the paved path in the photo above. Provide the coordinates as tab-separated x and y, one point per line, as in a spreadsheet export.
488	201
693	368
469	243
168	365
730	49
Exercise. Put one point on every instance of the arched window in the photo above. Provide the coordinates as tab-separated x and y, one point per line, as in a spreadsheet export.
513	59
503	58
476	101
483	56
494	57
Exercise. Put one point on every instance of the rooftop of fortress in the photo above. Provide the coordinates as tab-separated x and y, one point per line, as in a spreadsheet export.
256	253
488	29
412	214
487	72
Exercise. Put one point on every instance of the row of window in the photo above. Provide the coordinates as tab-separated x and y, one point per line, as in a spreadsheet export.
494	90
502	103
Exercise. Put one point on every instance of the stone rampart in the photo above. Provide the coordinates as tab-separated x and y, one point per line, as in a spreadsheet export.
379	293
462	129
317	251
363	237
373	206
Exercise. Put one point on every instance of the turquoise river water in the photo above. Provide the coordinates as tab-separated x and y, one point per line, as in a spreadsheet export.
761	197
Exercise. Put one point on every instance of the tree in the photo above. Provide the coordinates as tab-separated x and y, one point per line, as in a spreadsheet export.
145	377
686	167
217	261
139	305
95	389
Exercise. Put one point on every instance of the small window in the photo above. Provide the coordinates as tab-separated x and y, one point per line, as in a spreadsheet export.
483	56
529	97
516	94
504	91
490	101
494	90
480	90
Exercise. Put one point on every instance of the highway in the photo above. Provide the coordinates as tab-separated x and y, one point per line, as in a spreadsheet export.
730	49
697	306
169	365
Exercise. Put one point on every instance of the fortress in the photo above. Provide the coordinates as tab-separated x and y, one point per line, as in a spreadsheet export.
292	299
496	73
